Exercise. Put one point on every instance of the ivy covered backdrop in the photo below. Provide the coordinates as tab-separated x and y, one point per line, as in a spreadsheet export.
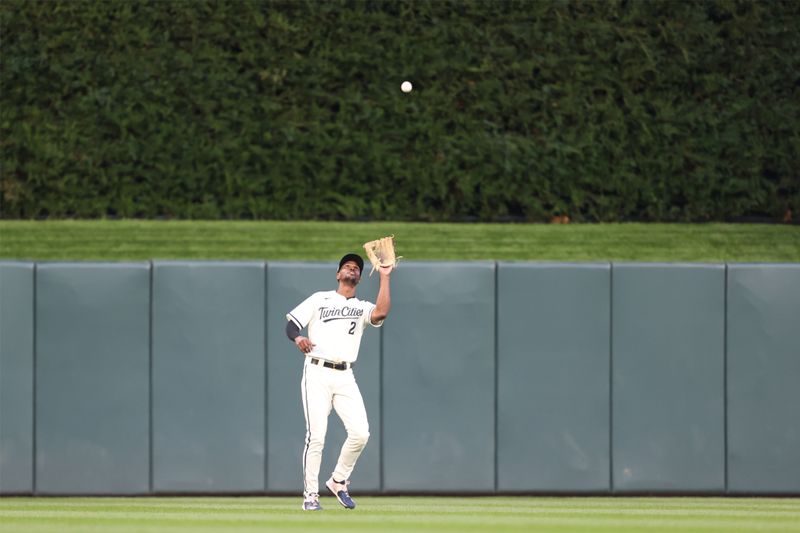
598	111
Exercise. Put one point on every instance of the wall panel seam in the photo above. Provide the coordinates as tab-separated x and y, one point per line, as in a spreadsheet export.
725	381
381	413
496	374
265	341
33	379
150	473
611	378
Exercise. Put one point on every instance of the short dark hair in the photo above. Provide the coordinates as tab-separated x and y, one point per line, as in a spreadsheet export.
352	257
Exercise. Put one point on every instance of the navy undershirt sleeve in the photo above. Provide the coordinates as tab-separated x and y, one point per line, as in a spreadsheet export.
292	331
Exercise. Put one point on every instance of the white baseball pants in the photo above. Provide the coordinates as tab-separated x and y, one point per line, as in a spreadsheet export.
323	388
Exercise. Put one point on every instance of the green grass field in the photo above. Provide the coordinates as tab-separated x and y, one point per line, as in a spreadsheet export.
395	514
326	241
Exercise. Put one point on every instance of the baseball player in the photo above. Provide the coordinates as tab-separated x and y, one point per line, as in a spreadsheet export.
335	321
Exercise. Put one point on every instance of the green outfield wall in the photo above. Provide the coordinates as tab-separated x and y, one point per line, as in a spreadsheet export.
170	377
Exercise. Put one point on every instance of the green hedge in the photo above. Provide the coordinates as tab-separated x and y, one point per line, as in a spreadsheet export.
599	110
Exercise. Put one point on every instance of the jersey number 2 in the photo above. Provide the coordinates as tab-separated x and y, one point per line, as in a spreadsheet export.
352	328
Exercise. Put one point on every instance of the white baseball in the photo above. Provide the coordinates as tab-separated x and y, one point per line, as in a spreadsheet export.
406	86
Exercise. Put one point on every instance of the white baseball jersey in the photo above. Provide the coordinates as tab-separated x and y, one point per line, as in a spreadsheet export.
335	324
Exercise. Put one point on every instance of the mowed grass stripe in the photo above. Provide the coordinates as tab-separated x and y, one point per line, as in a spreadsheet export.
410	522
404	503
402	514
325	241
411	514
501	512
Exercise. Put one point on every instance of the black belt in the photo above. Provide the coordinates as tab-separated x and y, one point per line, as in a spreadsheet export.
328	364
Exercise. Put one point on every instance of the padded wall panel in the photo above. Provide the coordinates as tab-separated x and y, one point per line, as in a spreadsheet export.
764	378
668	377
92	378
553	377
288	285
208	376
16	377
439	379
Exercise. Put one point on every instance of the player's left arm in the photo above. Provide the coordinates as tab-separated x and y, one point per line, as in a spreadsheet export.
384	302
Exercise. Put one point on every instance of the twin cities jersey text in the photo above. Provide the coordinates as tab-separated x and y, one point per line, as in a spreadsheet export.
335	324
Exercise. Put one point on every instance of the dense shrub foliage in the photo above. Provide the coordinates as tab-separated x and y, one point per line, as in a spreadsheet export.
599	110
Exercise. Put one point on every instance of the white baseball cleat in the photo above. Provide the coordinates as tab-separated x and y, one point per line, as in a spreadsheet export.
311	502
340	491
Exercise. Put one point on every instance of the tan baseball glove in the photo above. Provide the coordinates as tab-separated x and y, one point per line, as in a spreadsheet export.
381	253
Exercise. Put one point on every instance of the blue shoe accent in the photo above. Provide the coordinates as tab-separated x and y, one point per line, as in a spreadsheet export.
340	491
311	502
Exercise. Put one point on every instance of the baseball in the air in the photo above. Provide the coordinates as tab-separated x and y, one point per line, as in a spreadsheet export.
406	86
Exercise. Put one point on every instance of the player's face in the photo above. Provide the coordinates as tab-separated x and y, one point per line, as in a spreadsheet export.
349	273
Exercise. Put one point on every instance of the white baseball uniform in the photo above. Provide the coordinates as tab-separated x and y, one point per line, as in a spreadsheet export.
335	325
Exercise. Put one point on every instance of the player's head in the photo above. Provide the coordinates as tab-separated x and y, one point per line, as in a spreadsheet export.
350	262
351	257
